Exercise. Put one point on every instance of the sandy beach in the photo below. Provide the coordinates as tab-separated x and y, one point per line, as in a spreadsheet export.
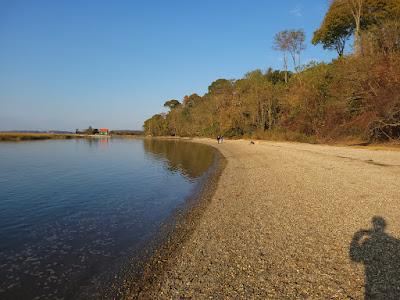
292	221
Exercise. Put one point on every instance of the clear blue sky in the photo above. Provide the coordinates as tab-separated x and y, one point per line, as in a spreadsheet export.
70	64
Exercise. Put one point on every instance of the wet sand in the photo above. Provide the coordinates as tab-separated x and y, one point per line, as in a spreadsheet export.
284	222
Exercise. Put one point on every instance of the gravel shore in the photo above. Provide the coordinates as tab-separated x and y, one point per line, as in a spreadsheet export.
292	221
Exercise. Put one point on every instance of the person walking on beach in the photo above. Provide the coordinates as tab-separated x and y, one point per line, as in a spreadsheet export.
218	139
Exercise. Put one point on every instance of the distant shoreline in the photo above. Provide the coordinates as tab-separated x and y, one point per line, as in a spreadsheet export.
33	136
22	136
28	136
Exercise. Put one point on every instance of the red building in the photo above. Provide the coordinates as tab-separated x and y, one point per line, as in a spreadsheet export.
103	131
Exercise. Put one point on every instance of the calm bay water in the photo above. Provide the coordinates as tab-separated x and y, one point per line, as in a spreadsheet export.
71	211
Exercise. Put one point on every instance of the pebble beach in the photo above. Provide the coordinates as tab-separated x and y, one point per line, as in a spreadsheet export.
289	221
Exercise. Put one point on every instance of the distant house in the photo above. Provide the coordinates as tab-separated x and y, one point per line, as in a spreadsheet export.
103	131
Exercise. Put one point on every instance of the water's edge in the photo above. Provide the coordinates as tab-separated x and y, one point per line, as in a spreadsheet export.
128	266
168	241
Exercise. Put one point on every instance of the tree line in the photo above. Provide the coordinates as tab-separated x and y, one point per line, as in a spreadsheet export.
356	96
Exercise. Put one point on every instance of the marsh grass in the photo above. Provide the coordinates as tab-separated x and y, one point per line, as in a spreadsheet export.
22	136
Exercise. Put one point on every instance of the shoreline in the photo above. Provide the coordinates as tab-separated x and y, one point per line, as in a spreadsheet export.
175	231
26	137
280	223
109	266
21	137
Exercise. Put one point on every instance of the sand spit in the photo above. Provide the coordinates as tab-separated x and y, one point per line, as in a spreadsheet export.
292	221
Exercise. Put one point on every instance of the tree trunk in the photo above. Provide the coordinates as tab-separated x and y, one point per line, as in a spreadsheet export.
293	55
356	7
285	64
299	66
270	115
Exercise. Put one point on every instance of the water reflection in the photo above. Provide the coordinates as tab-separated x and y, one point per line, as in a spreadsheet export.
191	160
73	212
96	141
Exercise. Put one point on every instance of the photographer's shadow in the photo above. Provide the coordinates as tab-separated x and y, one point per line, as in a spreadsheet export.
380	254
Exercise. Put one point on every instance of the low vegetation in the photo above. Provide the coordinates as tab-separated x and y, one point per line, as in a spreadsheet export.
22	136
126	132
355	97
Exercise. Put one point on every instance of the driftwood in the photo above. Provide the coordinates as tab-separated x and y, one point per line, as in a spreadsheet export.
386	129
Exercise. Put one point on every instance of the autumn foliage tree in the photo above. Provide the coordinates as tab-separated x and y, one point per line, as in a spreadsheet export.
335	29
354	98
172	104
353	17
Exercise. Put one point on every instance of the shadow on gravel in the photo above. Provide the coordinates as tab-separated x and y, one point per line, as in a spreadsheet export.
380	254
